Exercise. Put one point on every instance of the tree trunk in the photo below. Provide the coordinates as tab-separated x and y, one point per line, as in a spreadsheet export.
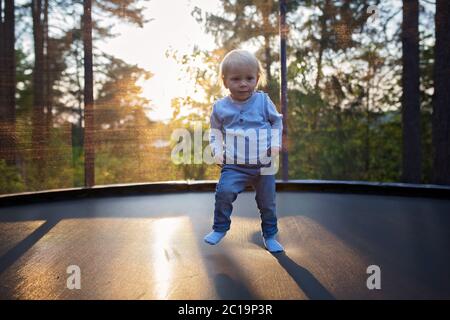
89	150
322	41
267	58
367	133
48	76
77	130
441	99
322	47
38	137
411	95
7	84
266	9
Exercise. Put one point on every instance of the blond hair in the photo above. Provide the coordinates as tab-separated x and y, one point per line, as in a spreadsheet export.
240	57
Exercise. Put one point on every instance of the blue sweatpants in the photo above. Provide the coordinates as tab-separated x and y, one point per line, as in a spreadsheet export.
233	180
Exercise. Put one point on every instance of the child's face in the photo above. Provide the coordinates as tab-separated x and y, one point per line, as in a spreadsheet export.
241	81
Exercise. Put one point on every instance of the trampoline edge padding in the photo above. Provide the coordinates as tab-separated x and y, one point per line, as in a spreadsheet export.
356	187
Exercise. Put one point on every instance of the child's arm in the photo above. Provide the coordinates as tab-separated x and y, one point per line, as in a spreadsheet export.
216	136
276	122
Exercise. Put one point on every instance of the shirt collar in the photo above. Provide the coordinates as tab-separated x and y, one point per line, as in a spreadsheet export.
241	103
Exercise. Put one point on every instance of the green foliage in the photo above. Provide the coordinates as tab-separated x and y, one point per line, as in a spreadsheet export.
10	179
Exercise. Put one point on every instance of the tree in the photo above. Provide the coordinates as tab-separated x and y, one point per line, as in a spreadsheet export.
412	169
189	110
441	99
7	83
337	113
249	21
115	8
123	131
89	153
335	27
48	52
38	129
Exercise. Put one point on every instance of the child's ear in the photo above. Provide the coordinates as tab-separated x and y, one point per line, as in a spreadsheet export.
224	83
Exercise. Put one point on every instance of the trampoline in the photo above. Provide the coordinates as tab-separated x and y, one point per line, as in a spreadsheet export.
145	242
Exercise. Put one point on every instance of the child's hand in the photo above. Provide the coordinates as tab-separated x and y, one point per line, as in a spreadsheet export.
275	151
218	159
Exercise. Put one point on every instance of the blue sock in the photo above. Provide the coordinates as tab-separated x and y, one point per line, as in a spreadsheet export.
273	245
214	237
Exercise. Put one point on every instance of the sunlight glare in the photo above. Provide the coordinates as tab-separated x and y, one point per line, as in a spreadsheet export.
172	28
163	232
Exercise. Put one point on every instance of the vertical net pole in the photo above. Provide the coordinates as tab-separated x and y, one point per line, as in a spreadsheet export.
283	89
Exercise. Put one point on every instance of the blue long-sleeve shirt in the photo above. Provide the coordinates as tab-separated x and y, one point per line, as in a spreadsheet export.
245	131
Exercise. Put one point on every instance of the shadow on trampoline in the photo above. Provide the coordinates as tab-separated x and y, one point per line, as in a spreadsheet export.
229	282
229	289
312	288
14	254
304	279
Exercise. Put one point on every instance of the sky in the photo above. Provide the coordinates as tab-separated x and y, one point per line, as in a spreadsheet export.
172	27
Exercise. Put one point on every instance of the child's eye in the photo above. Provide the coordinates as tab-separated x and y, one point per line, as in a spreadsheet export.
250	78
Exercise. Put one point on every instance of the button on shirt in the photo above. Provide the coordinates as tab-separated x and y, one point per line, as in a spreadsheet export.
244	131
